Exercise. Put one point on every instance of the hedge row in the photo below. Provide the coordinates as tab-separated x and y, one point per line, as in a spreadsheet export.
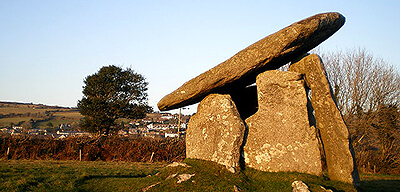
111	148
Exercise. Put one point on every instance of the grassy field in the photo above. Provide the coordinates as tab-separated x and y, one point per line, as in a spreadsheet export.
57	119
68	114
26	109
24	175
66	117
37	112
379	182
15	120
20	108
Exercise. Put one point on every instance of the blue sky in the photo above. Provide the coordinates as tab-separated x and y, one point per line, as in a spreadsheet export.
47	48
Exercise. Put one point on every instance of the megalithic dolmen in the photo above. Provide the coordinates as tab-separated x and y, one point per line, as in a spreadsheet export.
268	53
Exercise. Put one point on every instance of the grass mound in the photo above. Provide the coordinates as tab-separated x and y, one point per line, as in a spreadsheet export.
209	176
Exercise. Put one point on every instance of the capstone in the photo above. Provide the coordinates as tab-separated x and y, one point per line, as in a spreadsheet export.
268	53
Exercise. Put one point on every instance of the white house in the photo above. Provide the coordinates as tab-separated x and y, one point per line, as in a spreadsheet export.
171	134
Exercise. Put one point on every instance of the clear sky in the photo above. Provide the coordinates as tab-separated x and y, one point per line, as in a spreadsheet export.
47	48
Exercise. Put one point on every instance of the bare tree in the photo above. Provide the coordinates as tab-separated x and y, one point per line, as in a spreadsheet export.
367	90
361	82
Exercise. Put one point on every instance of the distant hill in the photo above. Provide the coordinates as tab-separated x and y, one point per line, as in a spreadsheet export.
31	105
32	115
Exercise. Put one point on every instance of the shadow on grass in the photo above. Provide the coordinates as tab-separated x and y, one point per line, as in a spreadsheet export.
380	185
114	176
79	183
331	188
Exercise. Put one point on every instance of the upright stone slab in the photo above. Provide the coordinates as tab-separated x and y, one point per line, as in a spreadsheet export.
216	132
334	133
270	52
280	137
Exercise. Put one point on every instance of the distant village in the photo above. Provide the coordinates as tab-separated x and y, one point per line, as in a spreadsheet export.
155	125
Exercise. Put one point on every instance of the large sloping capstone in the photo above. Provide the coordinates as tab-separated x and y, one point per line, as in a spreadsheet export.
216	131
334	132
270	52
280	137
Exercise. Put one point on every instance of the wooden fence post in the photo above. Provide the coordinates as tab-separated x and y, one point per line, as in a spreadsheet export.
8	153
80	154
151	158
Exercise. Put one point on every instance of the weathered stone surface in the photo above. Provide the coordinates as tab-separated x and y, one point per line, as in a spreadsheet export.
299	186
280	137
184	177
236	188
216	131
151	186
176	164
171	176
334	132
269	53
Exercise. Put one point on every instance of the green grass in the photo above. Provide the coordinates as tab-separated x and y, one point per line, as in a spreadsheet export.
62	116
36	112
57	120
379	182
15	120
68	114
21	110
24	175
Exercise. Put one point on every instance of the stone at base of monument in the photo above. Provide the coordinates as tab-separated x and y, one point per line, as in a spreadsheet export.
334	133
216	132
280	137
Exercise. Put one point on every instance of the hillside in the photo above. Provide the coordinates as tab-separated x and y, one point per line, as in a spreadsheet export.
29	115
43	117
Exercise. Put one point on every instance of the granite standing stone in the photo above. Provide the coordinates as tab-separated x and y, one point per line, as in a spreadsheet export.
334	132
270	52
280	137
216	132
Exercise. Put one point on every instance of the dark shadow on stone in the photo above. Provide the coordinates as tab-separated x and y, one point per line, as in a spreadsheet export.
313	123
310	109
242	163
245	99
354	174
